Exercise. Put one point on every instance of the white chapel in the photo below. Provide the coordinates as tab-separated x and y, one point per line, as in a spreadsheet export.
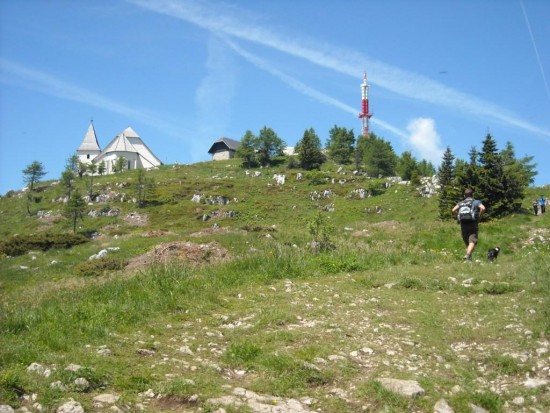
127	144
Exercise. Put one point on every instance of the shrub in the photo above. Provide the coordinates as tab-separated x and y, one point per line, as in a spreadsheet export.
21	244
98	267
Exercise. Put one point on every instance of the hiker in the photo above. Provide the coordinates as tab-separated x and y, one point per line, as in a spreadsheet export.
469	212
542	204
535	206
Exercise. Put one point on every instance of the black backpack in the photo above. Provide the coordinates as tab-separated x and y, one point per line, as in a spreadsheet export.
467	211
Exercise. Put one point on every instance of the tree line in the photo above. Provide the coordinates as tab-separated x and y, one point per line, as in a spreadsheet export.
370	154
497	177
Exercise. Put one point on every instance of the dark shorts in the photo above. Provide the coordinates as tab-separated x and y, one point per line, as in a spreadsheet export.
469	233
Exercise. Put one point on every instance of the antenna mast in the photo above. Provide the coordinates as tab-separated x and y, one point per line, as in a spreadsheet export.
365	115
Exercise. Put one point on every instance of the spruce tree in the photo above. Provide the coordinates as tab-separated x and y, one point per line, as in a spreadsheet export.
446	177
517	176
309	150
247	150
491	182
467	175
269	146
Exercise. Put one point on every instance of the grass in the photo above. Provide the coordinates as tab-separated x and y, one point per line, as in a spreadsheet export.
393	299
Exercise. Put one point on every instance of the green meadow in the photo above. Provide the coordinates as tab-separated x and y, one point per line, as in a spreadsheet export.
281	290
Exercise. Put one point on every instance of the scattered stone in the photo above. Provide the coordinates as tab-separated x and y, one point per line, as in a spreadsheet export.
73	367
99	255
442	407
81	384
58	385
106	398
518	401
149	394
4	408
104	351
408	388
533	383
186	350
70	407
145	352
477	409
39	369
257	403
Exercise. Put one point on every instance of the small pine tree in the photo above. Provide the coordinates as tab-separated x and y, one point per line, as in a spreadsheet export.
120	164
92	169
75	208
33	173
67	180
101	168
145	188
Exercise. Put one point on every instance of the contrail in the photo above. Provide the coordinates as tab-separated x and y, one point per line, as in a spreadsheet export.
346	61
535	47
16	74
305	89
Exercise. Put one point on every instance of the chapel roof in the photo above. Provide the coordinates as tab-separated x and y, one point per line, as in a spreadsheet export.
89	143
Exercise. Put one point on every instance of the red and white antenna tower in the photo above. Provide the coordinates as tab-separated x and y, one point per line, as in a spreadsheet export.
365	115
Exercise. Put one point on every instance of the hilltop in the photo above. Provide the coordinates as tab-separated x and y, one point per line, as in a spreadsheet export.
229	290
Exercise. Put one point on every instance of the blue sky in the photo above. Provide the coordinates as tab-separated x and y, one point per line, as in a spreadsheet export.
184	73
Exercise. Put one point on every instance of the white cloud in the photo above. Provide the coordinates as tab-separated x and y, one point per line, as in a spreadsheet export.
424	139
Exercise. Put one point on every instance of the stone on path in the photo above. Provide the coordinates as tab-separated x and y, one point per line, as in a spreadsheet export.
408	388
442	407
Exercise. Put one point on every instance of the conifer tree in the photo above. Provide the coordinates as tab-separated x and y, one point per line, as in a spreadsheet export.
33	173
101	168
309	151
341	145
467	174
379	158
491	182
92	169
517	176
67	180
269	146
446	177
75	208
247	150
406	165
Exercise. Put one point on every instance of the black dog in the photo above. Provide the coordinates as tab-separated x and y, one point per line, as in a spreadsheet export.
492	254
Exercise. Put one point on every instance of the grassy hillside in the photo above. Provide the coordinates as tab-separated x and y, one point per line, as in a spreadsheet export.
194	301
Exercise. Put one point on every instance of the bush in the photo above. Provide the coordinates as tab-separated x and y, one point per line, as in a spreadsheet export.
98	267
21	244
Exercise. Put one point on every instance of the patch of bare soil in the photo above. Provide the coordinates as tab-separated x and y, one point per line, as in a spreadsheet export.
178	251
208	231
174	404
155	233
541	235
133	218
